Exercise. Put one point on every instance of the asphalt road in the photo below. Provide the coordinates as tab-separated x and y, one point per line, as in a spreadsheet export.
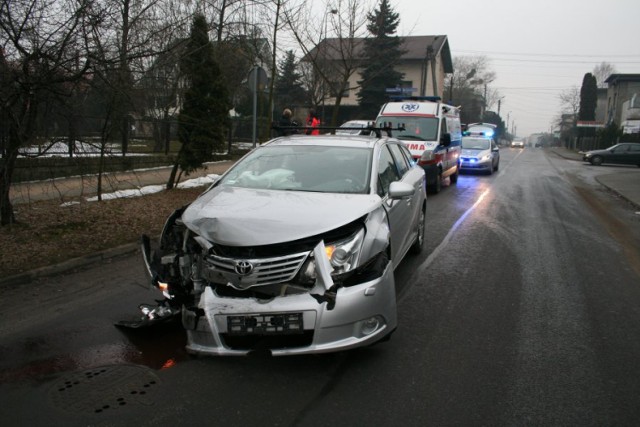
524	309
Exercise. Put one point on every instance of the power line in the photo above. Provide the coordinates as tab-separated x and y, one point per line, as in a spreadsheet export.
562	55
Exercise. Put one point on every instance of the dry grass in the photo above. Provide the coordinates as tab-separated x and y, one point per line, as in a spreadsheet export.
47	233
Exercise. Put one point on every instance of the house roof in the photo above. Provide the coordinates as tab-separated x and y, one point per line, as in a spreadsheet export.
414	48
615	78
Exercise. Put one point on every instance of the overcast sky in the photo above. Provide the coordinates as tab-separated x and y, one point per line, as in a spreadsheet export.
537	48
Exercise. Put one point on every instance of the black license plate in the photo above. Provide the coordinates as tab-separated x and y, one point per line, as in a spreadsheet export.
265	324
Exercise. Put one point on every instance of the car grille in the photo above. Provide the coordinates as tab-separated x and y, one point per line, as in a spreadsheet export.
245	273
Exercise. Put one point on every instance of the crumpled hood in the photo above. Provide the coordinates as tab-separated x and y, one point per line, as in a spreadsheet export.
473	153
250	217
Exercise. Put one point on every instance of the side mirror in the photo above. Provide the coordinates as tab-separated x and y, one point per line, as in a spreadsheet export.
400	190
445	139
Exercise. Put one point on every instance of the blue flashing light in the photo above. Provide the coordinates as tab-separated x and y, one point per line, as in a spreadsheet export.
489	133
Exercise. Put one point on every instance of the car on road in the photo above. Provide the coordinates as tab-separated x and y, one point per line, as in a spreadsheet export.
293	249
479	154
355	127
516	143
626	153
431	130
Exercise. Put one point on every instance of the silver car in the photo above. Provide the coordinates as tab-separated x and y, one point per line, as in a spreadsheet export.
479	154
293	249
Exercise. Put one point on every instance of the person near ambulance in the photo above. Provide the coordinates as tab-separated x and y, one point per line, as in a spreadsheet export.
312	123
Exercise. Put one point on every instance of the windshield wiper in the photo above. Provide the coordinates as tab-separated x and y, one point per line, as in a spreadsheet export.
410	137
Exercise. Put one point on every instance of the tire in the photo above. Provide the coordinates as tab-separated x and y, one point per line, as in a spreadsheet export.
596	160
435	188
418	244
497	166
454	177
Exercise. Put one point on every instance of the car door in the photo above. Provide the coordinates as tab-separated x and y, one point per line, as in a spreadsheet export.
399	211
634	154
618	154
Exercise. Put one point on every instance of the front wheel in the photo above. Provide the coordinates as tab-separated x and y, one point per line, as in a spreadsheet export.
596	160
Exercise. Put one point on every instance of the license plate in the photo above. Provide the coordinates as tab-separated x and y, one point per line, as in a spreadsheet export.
265	324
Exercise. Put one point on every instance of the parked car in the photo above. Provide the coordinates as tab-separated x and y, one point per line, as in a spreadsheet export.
293	249
517	144
479	154
355	127
627	153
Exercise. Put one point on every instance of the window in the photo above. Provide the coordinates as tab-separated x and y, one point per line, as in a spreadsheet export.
401	163
387	172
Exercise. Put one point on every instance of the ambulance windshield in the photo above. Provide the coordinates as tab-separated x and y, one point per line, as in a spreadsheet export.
416	128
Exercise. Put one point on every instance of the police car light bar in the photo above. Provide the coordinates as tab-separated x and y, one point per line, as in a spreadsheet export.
377	130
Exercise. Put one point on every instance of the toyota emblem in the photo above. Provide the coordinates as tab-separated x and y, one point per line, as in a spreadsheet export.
243	268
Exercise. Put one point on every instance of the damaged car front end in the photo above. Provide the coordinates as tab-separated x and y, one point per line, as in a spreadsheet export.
290	251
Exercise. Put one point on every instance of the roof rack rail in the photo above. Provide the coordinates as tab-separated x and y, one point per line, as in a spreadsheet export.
377	130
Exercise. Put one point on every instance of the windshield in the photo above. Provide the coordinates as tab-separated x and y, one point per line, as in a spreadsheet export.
416	128
352	124
303	168
476	143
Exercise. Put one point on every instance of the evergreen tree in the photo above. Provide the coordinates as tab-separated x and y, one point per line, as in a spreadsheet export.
381	53
204	116
289	89
588	101
588	98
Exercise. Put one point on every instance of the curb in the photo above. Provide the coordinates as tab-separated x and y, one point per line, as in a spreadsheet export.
72	264
617	192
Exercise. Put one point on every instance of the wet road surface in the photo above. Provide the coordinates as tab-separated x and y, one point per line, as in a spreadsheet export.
523	309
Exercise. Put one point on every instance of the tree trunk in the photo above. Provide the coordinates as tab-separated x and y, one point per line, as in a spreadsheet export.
6	174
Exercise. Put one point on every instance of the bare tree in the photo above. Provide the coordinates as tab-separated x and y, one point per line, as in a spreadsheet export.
469	87
602	71
41	42
330	62
570	100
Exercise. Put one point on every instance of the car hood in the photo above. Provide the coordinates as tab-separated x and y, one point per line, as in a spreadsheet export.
592	152
251	217
474	153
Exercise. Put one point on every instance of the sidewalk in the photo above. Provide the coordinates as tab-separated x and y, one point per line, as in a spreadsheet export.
625	181
86	186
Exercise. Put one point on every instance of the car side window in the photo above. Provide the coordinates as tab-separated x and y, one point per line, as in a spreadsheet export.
387	171
401	161
407	155
634	148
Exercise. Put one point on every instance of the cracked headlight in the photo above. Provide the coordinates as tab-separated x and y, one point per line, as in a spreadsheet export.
345	254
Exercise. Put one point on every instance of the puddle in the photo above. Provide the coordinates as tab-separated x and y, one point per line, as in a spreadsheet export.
157	348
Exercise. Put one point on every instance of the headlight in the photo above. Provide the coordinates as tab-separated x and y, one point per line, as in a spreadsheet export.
344	255
486	157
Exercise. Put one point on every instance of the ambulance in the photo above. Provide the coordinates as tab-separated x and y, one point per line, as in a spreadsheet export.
432	132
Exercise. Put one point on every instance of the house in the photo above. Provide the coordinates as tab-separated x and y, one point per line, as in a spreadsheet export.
623	105
425	62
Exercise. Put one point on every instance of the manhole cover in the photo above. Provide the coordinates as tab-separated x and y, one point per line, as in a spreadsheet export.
105	389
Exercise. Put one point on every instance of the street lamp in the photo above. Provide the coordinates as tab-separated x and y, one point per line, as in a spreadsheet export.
324	42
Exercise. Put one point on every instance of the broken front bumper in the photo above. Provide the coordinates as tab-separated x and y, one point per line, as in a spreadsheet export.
362	315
